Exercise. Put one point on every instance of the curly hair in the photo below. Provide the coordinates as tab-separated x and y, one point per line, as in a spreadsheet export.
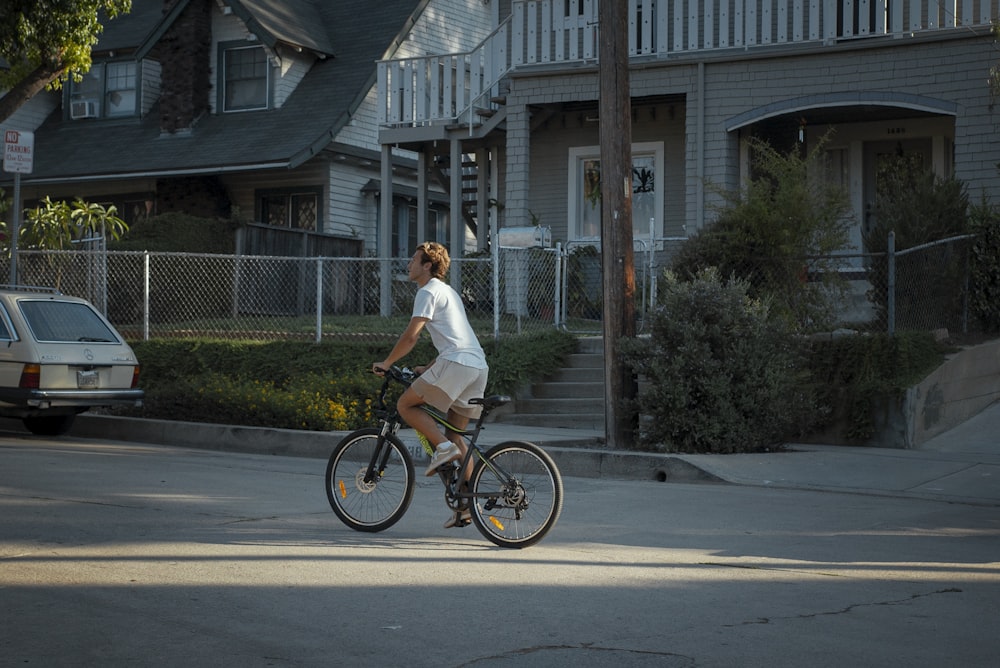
437	255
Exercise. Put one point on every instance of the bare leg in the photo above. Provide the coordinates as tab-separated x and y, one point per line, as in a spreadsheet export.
461	422
409	409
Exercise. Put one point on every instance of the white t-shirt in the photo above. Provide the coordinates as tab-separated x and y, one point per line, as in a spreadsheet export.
448	325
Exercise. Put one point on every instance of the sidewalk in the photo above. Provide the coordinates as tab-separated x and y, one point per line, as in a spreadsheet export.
961	465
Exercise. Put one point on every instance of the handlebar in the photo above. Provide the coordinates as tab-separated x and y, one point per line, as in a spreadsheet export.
402	375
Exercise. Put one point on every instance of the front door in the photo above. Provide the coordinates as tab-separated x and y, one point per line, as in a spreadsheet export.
876	156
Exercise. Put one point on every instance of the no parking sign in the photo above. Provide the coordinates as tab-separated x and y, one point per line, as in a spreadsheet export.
18	150
18	147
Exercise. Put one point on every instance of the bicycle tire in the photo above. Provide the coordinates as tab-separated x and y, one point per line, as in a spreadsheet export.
374	506
518	511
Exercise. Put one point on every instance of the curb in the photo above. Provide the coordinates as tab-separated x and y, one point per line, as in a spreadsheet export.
583	460
208	436
589	463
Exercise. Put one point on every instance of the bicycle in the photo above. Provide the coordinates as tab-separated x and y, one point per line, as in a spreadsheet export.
514	495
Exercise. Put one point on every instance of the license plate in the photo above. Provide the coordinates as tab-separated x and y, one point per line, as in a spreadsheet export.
87	379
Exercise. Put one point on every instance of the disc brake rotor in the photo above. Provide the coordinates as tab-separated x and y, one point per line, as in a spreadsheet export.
359	482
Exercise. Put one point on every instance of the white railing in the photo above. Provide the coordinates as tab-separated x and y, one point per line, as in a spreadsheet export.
446	88
464	87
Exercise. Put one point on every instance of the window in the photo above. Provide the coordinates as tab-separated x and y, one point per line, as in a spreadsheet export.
246	72
835	167
120	94
62	322
108	90
404	234
298	210
584	205
132	209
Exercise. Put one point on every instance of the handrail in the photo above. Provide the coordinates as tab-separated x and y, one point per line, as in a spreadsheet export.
435	79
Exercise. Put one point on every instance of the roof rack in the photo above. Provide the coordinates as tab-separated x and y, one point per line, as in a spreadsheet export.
29	288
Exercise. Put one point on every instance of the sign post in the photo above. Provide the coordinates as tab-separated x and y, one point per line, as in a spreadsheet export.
18	155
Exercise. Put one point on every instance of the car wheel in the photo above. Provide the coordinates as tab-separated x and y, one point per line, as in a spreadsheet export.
49	425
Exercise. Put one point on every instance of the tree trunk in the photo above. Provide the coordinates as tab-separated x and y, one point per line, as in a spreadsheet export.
25	89
616	221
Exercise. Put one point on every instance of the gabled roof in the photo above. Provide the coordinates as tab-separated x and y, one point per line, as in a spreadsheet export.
128	32
321	105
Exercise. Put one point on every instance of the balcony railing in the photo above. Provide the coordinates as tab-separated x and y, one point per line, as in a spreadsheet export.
464	87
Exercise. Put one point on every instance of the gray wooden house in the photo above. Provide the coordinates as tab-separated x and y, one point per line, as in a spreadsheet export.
519	111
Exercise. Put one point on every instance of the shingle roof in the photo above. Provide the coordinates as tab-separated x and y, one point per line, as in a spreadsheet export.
309	119
129	31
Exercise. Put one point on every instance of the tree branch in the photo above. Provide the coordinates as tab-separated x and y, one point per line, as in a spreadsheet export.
27	88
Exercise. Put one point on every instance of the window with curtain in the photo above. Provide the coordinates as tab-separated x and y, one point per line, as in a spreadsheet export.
108	90
296	210
245	71
584	188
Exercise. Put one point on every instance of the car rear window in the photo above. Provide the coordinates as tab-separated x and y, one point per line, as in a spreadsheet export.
61	322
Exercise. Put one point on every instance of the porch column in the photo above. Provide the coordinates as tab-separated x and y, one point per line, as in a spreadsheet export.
385	234
518	164
483	168
699	205
422	203
457	219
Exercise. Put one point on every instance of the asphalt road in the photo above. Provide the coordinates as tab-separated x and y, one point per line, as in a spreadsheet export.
119	554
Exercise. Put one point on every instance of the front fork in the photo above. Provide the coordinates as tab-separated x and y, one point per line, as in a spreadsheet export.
381	455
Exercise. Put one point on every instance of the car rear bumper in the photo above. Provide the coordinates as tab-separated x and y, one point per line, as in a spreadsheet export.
71	398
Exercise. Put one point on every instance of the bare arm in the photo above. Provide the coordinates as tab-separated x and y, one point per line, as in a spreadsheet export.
407	340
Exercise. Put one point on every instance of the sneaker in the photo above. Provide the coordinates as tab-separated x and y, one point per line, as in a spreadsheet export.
443	455
459	519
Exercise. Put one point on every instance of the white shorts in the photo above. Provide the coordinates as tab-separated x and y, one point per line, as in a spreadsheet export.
448	385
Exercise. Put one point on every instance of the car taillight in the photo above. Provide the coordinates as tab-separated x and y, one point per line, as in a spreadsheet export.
135	376
30	377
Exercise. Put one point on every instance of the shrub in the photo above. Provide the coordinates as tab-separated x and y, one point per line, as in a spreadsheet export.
915	204
180	233
851	377
314	402
918	207
300	385
777	235
719	372
177	233
984	297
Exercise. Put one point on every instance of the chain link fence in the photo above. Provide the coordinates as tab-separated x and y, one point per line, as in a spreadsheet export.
151	295
927	286
520	290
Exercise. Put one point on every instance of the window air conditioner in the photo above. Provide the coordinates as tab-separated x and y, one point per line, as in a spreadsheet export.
83	109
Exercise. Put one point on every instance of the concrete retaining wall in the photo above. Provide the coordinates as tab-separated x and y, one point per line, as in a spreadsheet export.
960	388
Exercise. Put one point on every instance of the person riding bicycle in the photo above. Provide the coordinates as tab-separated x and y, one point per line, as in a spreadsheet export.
457	375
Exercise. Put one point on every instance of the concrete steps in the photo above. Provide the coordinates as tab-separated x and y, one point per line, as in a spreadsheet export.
571	398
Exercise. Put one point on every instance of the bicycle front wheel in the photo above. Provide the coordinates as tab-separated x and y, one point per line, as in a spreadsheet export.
518	494
363	501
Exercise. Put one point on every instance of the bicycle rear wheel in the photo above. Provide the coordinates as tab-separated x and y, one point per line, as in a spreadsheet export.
378	503
518	494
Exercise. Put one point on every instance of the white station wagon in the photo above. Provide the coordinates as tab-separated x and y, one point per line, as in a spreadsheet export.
59	357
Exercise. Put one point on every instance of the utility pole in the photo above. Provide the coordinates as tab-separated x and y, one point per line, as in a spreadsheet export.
616	219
